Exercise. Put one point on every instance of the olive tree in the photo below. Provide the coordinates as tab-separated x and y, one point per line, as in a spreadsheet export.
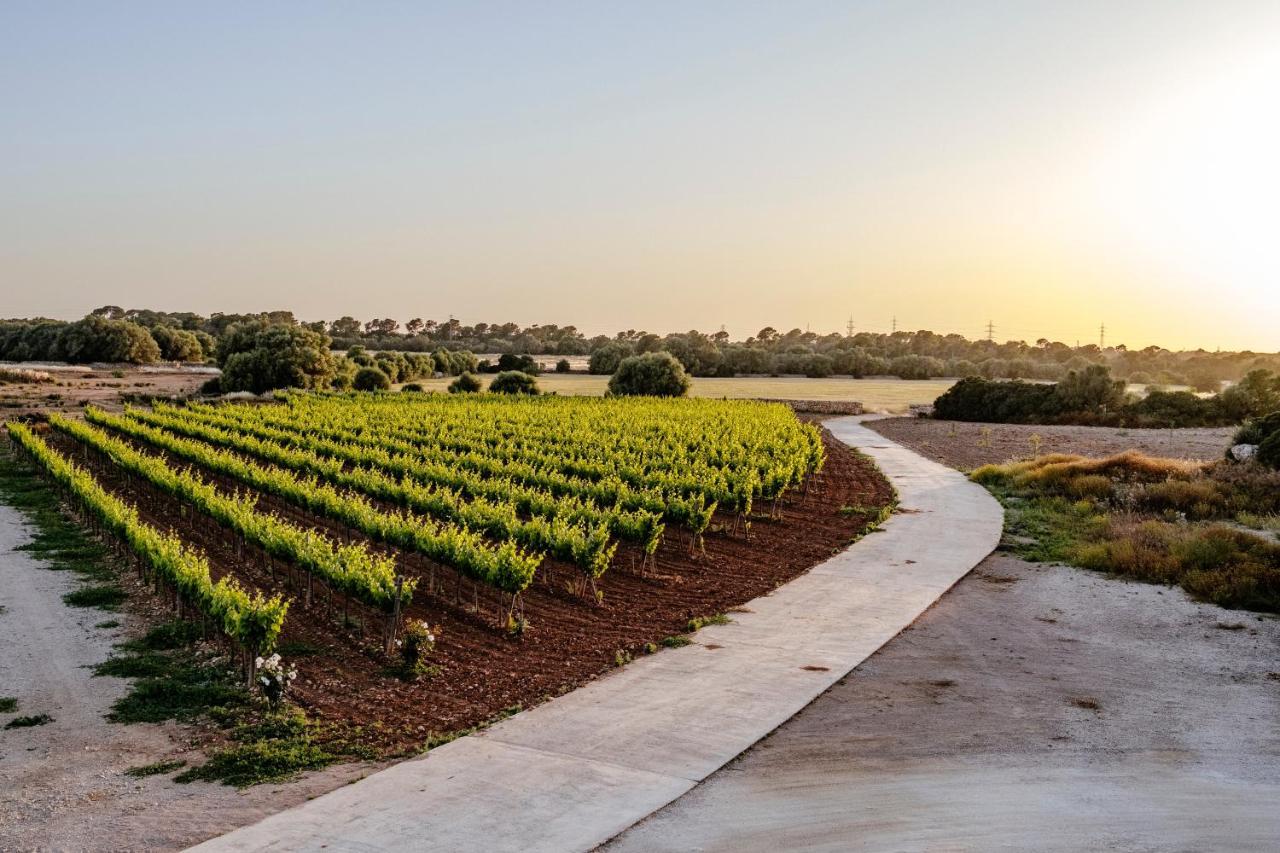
654	374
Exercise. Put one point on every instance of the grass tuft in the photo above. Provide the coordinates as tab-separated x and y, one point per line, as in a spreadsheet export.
28	722
157	769
8	704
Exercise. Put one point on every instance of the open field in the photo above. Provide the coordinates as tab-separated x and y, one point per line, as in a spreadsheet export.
876	395
966	445
101	385
523	609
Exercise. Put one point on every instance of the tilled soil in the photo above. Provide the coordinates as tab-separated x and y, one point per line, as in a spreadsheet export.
570	639
968	445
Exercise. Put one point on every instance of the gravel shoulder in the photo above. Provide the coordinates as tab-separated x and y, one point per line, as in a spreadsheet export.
968	445
1034	707
64	784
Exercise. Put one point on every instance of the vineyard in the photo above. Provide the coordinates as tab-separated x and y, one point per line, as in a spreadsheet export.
549	537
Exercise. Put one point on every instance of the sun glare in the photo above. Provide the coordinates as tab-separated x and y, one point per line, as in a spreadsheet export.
1195	180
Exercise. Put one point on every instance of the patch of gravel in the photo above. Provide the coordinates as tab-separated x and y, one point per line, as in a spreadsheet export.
966	446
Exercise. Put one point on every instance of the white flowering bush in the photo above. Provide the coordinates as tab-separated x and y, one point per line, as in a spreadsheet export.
274	678
417	641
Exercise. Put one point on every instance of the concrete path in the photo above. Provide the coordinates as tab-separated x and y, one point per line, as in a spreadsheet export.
573	773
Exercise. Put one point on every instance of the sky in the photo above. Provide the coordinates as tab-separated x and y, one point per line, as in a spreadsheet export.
1045	167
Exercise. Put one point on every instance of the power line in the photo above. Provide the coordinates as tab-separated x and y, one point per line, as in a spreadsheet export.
848	327
991	331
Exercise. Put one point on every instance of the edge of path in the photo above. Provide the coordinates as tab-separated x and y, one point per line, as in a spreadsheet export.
572	773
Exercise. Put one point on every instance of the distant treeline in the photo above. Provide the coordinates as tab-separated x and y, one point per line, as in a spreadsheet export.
115	334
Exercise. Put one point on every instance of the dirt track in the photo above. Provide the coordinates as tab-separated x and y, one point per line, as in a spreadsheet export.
1033	708
968	445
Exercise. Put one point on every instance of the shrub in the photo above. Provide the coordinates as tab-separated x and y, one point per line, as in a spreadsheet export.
1264	432
371	379
513	382
917	367
412	387
562	366
467	383
522	363
654	374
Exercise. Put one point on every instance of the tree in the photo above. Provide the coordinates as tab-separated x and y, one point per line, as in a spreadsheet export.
523	363
96	338
562	366
414	326
467	383
514	382
371	379
258	357
345	327
1089	390
177	344
605	360
653	374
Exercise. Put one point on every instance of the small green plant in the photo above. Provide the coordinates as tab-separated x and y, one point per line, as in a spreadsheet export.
697	623
157	769
28	722
676	641
621	657
110	623
1037	443
8	704
650	648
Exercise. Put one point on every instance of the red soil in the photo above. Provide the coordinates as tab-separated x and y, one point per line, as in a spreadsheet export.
569	640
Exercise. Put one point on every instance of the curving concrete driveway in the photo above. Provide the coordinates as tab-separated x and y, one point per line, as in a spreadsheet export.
575	772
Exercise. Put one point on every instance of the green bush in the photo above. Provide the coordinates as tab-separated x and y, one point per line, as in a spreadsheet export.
371	379
412	387
606	359
467	383
562	366
258	356
513	382
654	374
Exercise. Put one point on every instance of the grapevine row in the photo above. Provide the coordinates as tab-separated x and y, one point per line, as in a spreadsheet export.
251	621
349	569
588	548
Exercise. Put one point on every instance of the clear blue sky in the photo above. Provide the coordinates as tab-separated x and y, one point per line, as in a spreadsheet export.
667	166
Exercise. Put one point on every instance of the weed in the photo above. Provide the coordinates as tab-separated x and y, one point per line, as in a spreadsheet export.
8	704
676	641
28	722
699	622
110	623
622	657
103	596
1087	704
157	769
